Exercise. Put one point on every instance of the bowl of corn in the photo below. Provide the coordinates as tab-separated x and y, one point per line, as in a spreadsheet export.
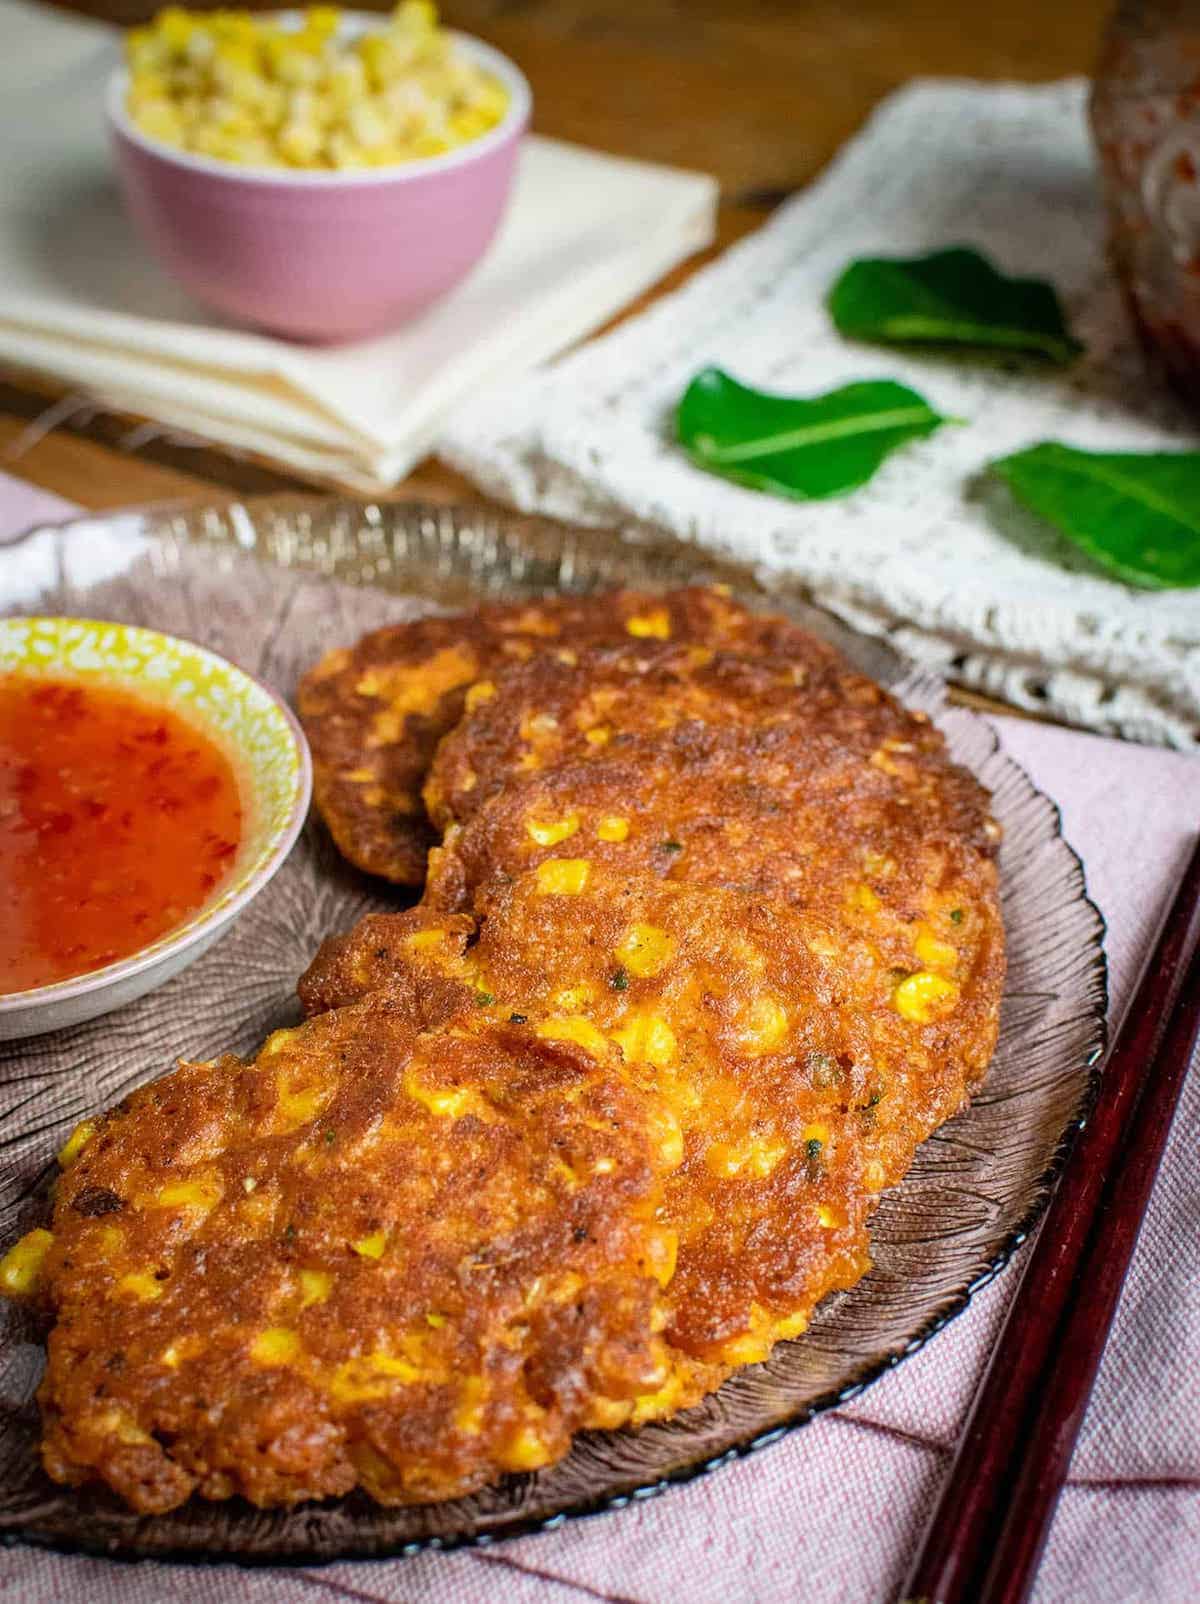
324	174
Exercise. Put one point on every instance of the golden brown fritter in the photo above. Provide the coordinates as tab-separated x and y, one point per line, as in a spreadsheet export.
371	1256
374	713
726	773
917	842
782	721
801	1073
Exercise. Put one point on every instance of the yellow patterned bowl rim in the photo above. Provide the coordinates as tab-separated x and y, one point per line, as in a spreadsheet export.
252	725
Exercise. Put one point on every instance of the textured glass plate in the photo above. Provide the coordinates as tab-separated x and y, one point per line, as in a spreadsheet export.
272	585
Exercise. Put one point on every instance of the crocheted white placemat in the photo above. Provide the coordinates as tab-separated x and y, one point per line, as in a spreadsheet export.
931	552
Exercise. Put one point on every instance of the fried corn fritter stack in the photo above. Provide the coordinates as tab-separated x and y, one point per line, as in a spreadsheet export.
710	944
375	713
371	1256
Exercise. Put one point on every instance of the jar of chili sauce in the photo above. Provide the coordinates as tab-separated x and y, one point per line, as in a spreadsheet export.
1145	113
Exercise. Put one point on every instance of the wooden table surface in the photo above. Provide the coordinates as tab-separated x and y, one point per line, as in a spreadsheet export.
761	94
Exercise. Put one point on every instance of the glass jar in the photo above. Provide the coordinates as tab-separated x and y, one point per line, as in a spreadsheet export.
1145	112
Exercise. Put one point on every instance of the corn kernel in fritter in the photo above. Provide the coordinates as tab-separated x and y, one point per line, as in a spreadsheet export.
20	1268
645	950
926	997
563	877
76	1142
549	832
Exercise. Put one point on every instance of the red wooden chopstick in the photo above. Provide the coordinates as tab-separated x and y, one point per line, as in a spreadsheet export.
987	1532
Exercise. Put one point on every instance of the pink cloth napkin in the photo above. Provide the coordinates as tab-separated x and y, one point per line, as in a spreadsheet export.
832	1512
22	505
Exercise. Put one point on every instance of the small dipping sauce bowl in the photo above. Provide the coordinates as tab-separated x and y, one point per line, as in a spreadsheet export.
233	716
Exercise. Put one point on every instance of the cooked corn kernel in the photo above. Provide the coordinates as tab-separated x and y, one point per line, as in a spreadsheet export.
598	735
482	691
371	1247
663	1401
668	1136
645	950
289	94
315	1287
578	1029
140	1284
662	1251
792	1325
549	832
468	1417
750	1349
935	954
763	1026
525	1450
563	877
831	1216
606	1414
275	1346
372	1376
402	687
423	940
119	1426
276	1042
879	866
885	763
752	1159
654	625
447	1102
612	828
573	999
924	997
22	1264
202	1194
76	1142
295	1106
647	1039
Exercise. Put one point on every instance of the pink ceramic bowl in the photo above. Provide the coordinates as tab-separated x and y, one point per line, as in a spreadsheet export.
318	255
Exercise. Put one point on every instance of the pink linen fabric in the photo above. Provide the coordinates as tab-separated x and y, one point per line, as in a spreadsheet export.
21	506
831	1513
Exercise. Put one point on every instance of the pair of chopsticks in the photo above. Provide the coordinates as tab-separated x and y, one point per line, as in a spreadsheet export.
986	1536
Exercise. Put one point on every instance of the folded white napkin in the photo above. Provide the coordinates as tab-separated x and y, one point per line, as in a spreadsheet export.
932	553
83	302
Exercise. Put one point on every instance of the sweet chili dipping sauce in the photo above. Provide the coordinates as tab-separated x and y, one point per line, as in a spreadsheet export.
118	819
